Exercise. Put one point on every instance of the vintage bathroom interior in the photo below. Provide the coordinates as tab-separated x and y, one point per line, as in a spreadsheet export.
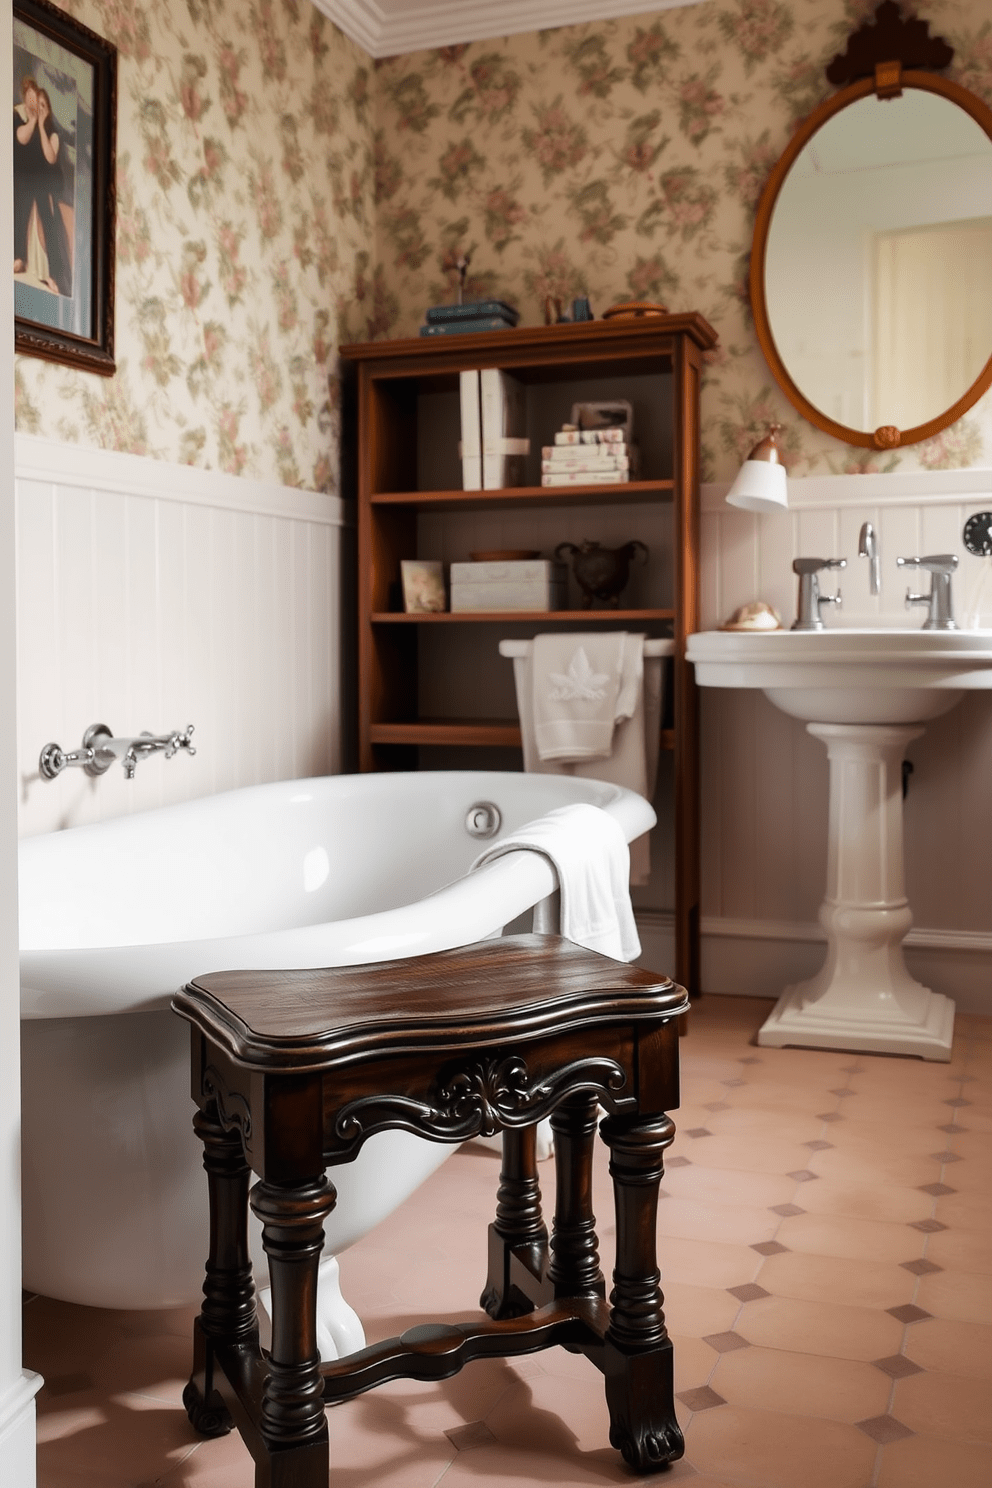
279	666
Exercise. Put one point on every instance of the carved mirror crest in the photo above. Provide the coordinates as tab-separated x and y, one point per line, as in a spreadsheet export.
871	268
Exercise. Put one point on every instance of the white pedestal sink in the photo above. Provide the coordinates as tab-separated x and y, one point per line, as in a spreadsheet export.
865	693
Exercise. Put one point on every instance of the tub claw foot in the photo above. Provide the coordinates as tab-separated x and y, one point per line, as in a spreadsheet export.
208	1417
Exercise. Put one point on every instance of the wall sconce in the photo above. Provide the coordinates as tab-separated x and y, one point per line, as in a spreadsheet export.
761	485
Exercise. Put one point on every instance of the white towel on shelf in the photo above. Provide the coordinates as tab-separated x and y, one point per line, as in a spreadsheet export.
577	685
588	851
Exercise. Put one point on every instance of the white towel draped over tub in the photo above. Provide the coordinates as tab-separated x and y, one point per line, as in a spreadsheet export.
588	851
624	667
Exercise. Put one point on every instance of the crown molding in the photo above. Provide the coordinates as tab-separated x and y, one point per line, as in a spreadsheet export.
391	28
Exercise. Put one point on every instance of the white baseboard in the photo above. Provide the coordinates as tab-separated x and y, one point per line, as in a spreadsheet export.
18	1453
758	958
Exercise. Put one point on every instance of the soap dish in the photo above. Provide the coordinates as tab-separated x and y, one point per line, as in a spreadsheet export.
754	616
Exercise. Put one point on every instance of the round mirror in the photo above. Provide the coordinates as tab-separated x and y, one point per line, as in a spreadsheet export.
871	274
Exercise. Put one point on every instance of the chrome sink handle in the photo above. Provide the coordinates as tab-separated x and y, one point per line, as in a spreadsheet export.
940	609
808	615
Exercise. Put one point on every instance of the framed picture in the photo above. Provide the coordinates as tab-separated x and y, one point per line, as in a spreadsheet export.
65	124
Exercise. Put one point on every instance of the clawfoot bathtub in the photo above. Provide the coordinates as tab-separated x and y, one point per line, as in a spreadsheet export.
342	870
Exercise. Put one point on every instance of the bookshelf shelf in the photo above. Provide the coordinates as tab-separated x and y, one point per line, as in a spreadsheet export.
411	504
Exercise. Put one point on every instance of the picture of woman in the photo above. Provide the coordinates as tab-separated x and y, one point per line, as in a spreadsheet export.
42	249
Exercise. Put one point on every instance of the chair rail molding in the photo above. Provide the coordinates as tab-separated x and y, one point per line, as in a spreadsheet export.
389	28
39	459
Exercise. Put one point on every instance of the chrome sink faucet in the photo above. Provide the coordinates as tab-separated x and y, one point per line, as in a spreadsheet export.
808	615
940	610
99	750
868	548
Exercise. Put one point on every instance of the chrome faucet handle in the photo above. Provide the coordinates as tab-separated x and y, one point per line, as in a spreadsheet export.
940	566
180	741
810	599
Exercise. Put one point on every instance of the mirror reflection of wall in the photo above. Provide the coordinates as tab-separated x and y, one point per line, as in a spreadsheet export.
878	270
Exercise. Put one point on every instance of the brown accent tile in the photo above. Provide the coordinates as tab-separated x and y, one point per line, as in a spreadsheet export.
786	1210
819	1145
716	1106
725	1342
928	1226
852	1069
750	1292
952	1129
733	1084
697	1131
883	1429
678	1162
909	1313
803	1175
936	1190
946	1157
922	1267
896	1366
769	1248
844	1090
956	1100
700	1399
475	1434
830	1116
751	1059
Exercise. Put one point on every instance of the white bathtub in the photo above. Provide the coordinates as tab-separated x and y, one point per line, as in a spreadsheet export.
337	871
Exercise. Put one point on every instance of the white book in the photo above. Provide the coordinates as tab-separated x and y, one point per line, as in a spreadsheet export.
590	436
471	441
573	453
504	417
586	478
565	467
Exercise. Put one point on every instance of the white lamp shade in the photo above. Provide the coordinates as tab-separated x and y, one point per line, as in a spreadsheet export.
760	487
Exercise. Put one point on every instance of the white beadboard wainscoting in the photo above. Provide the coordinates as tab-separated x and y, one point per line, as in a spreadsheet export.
151	596
764	779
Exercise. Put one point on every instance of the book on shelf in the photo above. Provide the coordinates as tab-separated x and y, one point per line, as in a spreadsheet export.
573	467
471	440
472	310
586	454
590	436
585	477
504	419
466	327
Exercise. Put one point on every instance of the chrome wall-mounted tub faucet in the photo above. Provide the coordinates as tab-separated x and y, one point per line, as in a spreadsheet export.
99	749
940	610
868	548
810	599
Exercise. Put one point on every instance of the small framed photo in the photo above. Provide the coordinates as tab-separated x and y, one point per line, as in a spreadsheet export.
423	586
65	124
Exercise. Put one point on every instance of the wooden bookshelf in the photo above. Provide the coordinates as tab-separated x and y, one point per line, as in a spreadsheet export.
406	390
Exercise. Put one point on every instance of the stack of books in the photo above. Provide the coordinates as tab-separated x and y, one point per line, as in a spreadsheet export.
588	457
478	315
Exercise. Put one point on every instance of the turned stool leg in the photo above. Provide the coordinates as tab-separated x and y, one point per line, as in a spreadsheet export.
228	1311
292	1418
639	1383
574	1269
519	1225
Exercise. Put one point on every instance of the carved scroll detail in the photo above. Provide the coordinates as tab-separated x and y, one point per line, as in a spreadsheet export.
233	1110
479	1098
889	37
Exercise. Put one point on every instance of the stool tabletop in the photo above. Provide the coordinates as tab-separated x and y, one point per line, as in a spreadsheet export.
522	985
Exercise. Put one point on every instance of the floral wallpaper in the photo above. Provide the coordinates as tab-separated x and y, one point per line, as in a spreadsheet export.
279	193
244	176
624	159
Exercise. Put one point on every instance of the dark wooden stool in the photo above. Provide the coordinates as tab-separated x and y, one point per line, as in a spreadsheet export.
293	1070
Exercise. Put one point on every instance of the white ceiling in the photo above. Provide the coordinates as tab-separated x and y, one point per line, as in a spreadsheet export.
386	28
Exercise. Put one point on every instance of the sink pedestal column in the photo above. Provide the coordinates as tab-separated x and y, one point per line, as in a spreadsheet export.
864	998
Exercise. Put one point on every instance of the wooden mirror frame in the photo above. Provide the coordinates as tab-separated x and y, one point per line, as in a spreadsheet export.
887	81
